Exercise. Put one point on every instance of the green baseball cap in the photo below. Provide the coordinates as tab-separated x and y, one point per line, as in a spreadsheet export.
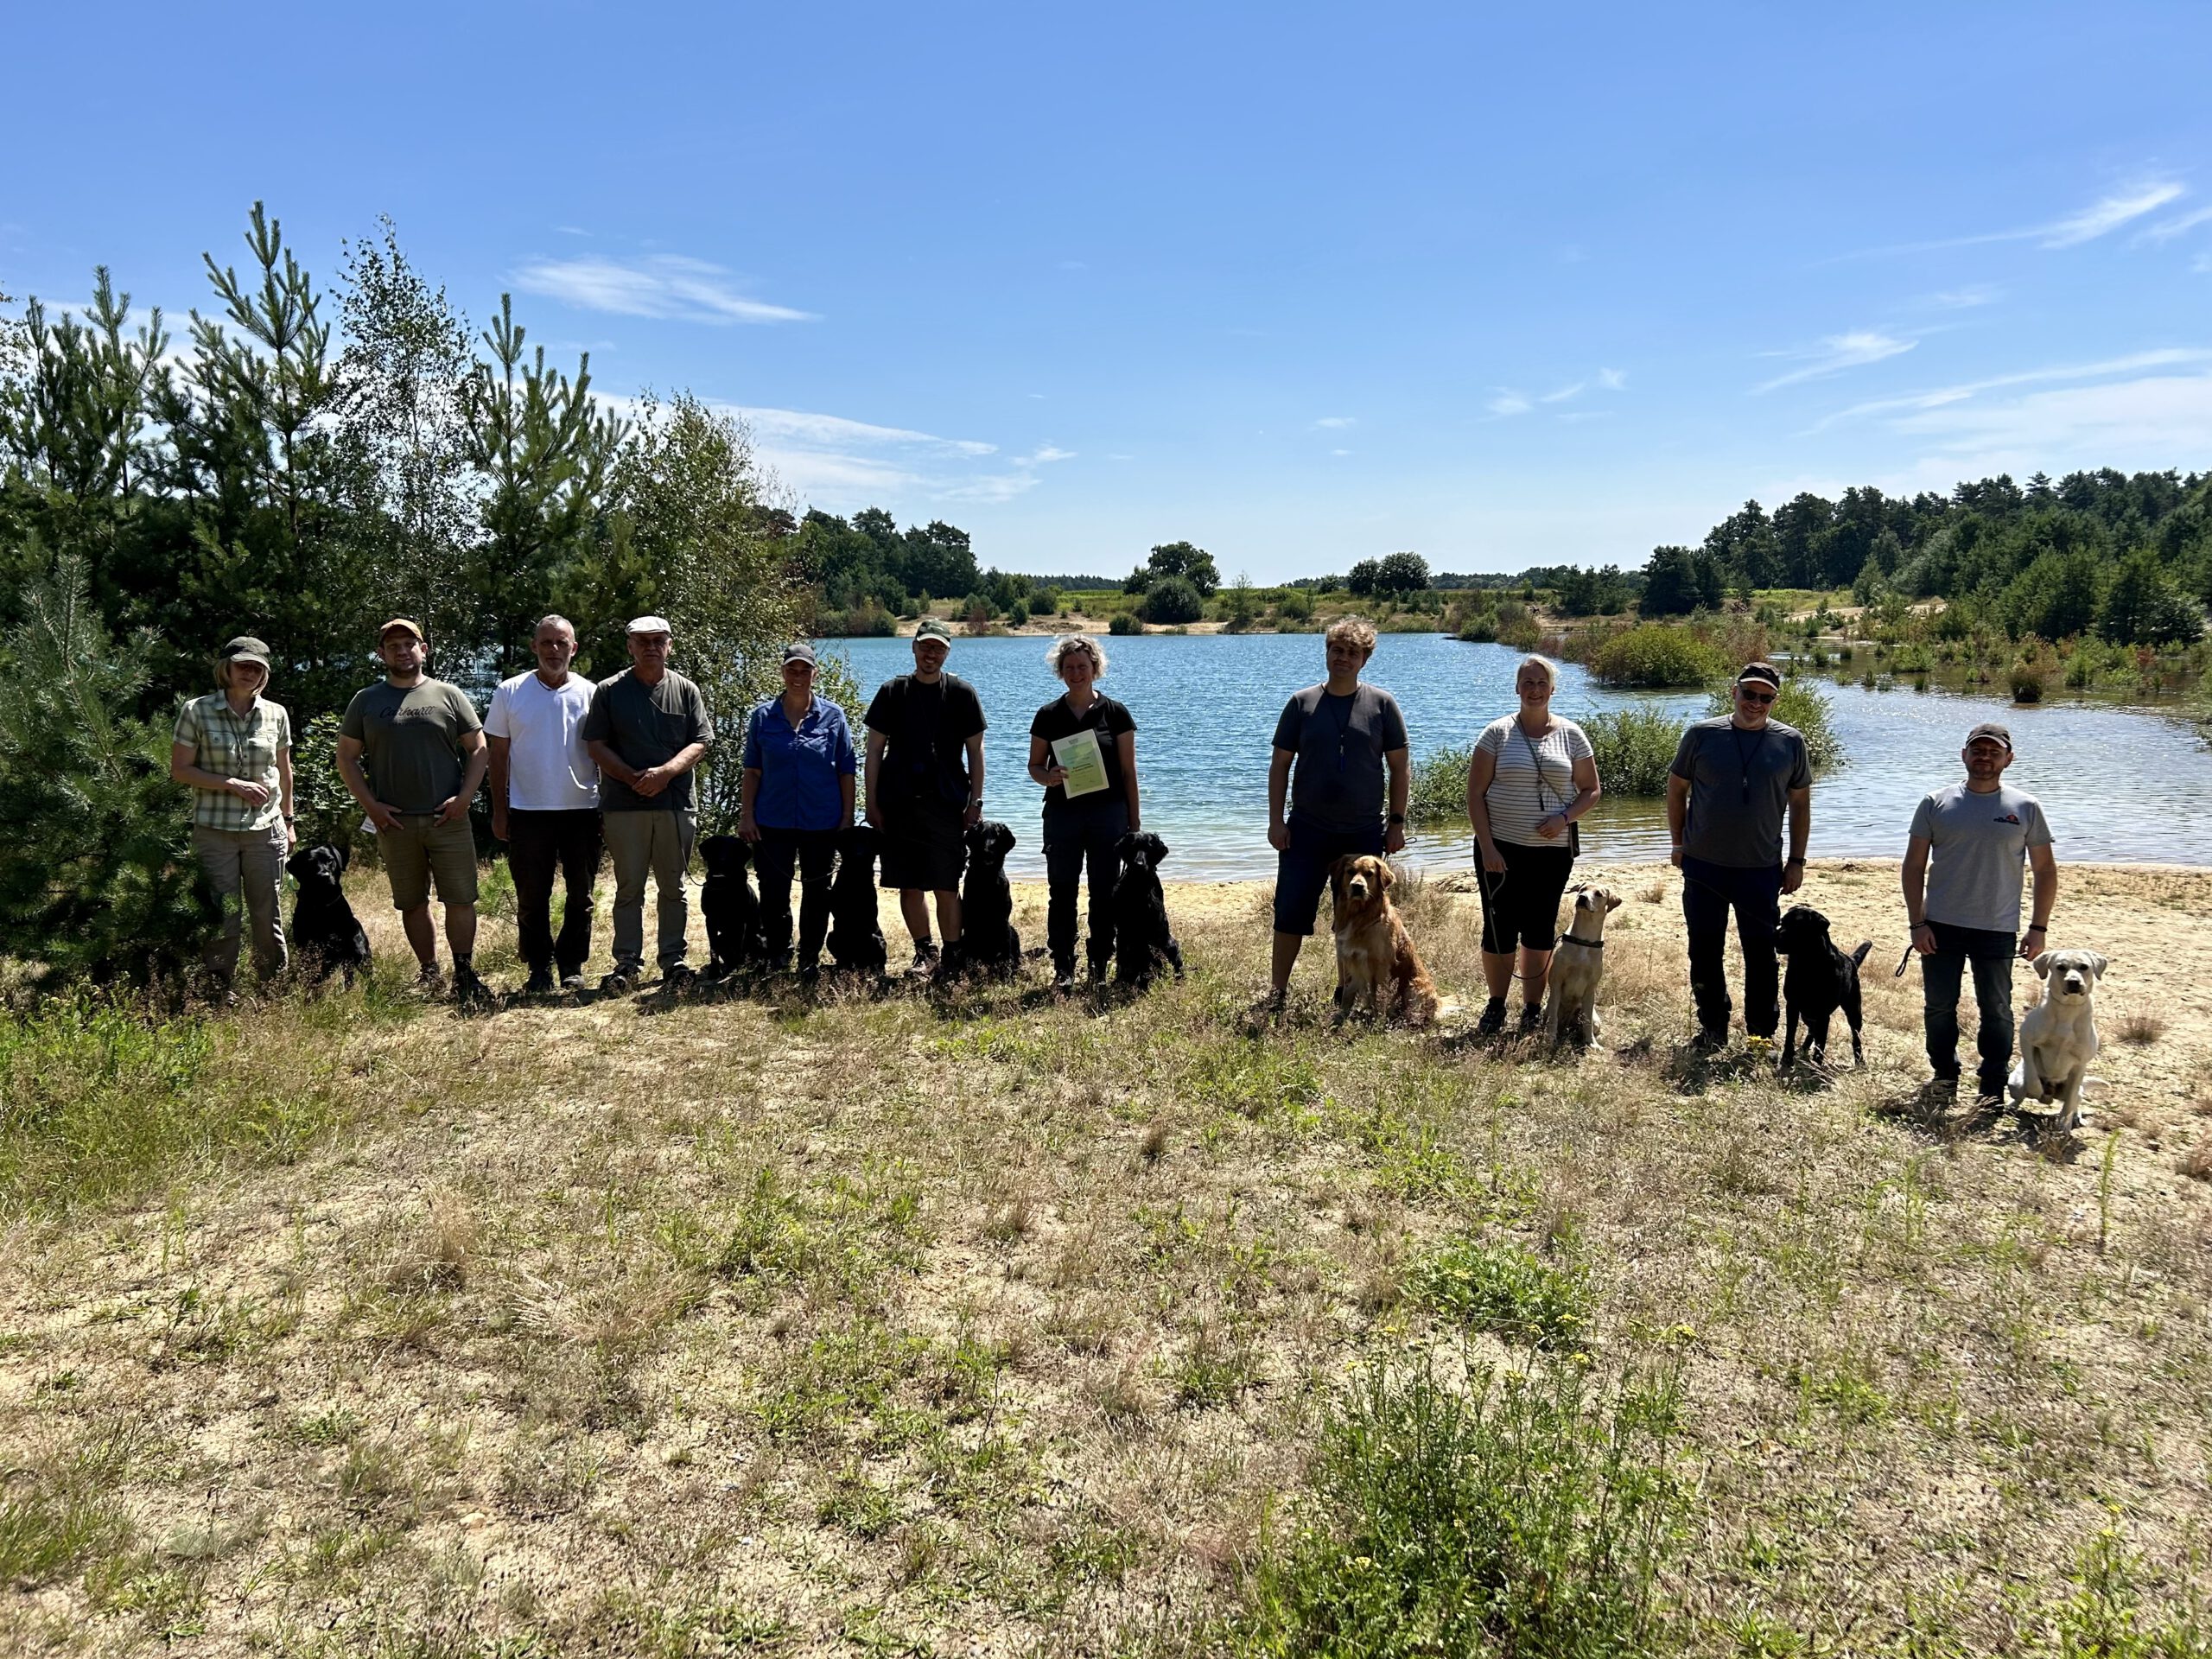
931	628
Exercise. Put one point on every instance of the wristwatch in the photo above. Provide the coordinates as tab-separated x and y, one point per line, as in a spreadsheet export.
1397	817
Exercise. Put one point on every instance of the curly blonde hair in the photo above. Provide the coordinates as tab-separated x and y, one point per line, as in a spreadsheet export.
1068	642
1357	629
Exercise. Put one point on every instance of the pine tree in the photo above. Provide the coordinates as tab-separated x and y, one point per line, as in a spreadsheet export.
98	882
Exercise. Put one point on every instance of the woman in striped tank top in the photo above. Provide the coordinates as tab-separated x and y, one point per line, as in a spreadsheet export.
1532	776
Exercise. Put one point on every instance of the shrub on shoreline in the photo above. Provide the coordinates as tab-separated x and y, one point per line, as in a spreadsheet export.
1656	654
1634	749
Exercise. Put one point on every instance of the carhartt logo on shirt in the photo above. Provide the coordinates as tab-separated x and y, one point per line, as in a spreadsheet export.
2007	818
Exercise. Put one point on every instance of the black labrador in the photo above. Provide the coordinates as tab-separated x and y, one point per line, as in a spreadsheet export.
1143	939
989	941
855	932
327	937
732	909
1821	980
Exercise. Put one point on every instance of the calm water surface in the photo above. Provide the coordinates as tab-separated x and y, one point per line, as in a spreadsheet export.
2119	786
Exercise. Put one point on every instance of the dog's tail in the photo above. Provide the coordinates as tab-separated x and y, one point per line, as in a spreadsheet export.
1859	955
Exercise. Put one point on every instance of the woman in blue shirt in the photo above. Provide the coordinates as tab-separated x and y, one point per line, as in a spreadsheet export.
795	795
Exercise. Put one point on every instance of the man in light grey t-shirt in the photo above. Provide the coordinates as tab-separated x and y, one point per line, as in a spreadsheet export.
1962	898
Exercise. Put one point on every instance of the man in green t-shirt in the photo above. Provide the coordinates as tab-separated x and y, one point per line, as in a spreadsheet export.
424	746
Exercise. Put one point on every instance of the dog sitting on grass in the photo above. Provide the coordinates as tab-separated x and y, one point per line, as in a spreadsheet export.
1143	939
1821	980
855	929
1577	969
989	941
1373	948
327	937
730	907
2058	1036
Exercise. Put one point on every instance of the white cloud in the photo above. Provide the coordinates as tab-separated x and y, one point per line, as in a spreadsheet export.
1044	454
1340	452
571	230
1964	299
1613	380
2124	206
836	431
666	285
1336	422
1836	354
1564	393
2111	214
1509	402
2167	229
1938	397
842	465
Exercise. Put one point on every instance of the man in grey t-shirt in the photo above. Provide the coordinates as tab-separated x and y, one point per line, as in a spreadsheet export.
1962	897
647	728
1333	746
1733	779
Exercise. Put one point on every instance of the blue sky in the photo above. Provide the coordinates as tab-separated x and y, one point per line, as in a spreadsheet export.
1300	284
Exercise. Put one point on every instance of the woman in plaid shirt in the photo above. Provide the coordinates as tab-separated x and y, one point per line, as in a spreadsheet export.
233	750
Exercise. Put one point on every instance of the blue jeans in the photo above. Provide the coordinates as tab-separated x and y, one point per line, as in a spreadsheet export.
1991	955
1710	892
1078	833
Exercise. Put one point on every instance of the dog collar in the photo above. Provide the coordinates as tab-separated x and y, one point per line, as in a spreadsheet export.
1569	939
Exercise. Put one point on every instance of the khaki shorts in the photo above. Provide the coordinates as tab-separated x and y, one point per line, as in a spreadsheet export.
420	850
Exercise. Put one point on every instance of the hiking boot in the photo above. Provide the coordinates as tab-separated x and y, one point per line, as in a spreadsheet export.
1493	1019
430	980
540	983
1064	979
468	990
1532	1017
572	980
677	976
618	981
1708	1041
925	956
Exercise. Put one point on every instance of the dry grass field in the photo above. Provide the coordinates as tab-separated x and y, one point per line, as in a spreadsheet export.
991	1324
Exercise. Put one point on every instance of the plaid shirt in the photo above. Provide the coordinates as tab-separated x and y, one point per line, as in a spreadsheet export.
244	747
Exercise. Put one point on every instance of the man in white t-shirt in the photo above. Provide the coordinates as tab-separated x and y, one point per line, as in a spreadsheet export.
545	804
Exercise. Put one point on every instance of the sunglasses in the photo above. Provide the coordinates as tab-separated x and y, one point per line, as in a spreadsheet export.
1750	696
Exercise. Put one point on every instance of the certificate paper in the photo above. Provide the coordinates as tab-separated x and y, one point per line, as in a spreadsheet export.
1085	762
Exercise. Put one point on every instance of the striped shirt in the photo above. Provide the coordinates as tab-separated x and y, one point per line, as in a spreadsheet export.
1517	804
244	747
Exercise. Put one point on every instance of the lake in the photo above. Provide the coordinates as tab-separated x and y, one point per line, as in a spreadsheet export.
1205	706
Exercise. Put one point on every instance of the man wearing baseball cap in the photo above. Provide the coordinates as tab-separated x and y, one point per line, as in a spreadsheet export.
411	751
796	800
1733	777
924	783
648	728
1962	899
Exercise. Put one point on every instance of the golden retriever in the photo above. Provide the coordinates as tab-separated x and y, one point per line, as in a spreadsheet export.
1373	946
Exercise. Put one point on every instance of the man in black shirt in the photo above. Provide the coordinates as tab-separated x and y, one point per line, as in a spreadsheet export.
924	782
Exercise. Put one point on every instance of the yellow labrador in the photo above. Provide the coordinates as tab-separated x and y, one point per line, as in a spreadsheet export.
1578	967
2058	1036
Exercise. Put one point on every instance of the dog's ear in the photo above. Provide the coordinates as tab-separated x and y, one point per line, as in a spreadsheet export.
2042	964
1389	876
1157	847
1612	903
2097	963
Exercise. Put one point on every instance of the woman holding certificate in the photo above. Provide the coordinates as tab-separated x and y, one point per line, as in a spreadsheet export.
1083	748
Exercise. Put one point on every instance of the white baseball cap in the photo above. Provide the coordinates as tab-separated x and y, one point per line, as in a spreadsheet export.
650	625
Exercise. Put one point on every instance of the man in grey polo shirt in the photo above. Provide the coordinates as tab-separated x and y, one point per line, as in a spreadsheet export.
1962	898
647	728
1733	777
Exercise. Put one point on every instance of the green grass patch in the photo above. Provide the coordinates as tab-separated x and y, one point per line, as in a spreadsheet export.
1479	1513
1505	1289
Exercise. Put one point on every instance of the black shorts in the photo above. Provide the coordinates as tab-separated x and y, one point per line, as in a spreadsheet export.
924	845
1521	906
1302	869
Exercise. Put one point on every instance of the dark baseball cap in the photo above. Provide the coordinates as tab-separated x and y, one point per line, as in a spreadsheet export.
931	628
1993	732
799	653
1765	673
245	649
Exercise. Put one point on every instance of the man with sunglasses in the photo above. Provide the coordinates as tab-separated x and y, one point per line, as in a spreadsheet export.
1732	780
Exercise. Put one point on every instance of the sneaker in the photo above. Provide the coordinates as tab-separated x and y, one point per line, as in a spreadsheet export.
621	980
1063	981
925	958
676	976
430	979
1709	1042
1532	1016
572	982
468	990
540	983
1493	1019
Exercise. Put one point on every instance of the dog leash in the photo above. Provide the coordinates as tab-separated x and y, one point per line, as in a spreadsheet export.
1904	963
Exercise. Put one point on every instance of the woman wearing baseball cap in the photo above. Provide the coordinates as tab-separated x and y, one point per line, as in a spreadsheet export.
233	750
